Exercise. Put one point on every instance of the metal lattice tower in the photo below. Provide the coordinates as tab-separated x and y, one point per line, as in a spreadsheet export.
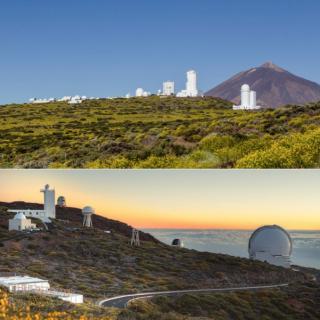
135	240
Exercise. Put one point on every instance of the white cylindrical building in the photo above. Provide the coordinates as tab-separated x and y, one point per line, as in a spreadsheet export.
271	244
245	96
139	92
87	213
253	100
191	86
49	202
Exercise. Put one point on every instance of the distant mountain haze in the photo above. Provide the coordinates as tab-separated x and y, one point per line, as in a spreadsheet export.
275	87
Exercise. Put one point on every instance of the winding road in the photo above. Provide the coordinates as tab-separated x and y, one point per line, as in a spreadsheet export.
124	300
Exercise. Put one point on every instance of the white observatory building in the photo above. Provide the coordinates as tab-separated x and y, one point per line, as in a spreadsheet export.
168	88
141	93
248	99
87	214
61	202
49	211
271	244
191	86
177	243
20	223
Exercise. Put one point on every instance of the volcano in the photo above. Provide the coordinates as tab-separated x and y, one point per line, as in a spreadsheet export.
275	87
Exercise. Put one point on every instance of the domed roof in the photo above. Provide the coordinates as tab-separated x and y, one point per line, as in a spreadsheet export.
272	239
245	87
88	210
20	216
177	242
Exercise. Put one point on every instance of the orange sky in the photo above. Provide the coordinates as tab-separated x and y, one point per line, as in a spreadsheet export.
228	199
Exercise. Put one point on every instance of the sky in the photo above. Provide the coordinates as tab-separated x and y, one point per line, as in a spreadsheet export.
191	199
110	47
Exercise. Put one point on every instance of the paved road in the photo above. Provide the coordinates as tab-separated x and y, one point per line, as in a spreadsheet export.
122	301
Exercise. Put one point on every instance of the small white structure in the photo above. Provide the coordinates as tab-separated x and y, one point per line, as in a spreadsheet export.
168	88
271	244
20	223
76	100
24	283
191	86
61	202
135	239
38	101
65	99
248	99
38	286
141	93
128	96
65	296
177	243
49	211
87	213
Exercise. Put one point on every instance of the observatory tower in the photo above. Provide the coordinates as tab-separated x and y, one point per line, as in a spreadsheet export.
87	213
191	89
271	244
248	99
49	202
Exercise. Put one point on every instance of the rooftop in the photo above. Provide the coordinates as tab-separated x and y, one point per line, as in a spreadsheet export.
13	280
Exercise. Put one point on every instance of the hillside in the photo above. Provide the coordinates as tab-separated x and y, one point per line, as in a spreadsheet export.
297	302
99	264
275	87
158	133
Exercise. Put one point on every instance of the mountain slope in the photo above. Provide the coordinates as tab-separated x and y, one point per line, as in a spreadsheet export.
100	264
275	87
156	132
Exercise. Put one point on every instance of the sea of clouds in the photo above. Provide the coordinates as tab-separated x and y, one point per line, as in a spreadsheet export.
306	244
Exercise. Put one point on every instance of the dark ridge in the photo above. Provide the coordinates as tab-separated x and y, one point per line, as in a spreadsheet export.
75	215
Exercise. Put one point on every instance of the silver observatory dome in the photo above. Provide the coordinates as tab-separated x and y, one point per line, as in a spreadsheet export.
270	239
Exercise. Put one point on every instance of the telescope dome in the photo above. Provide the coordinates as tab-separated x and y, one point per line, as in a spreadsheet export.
273	240
177	243
245	87
88	210
20	216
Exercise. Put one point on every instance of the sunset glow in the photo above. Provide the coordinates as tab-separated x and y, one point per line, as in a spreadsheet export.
180	198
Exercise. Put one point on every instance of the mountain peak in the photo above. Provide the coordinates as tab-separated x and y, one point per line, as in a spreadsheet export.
271	65
275	87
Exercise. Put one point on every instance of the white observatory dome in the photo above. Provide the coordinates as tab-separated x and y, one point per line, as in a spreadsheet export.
61	201
88	210
20	216
245	87
270	239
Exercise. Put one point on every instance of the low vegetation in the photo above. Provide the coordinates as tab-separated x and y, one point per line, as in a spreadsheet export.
158	133
99	264
296	302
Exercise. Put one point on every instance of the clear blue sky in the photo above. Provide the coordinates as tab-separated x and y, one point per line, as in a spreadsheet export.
110	47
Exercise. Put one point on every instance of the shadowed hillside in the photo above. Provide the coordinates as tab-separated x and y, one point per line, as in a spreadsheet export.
99	264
